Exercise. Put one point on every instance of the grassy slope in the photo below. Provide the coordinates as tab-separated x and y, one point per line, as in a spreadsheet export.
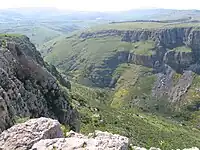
136	83
84	52
133	82
73	51
142	128
143	47
41	31
72	45
37	34
182	49
93	50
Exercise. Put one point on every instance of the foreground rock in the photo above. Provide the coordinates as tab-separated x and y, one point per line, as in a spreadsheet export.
23	136
46	134
99	140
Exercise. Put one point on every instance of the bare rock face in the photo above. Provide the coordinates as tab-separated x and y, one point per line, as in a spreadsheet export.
181	87
178	60
28	86
23	136
99	140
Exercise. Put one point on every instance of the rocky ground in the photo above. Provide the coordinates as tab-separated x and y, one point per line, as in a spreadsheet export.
46	134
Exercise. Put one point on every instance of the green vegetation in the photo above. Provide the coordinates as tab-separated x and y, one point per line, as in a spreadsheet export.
182	49
73	52
38	34
84	54
11	35
140	25
96	50
133	85
121	69
176	77
143	47
21	119
191	110
143	129
129	107
65	129
128	26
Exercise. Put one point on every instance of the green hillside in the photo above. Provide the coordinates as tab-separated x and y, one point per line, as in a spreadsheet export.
139	79
37	34
122	95
144	129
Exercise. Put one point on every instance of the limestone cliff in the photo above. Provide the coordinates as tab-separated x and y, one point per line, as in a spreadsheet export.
176	51
28	86
166	39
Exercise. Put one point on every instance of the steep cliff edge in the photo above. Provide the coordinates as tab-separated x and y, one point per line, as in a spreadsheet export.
177	47
27	88
123	57
134	70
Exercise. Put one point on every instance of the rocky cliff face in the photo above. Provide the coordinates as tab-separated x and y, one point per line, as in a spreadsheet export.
28	87
102	75
168	37
165	60
178	60
165	40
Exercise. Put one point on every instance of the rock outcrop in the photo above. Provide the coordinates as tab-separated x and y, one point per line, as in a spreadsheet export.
96	141
27	86
178	60
181	87
45	134
23	136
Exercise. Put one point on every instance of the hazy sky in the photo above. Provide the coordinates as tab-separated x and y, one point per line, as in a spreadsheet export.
102	5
